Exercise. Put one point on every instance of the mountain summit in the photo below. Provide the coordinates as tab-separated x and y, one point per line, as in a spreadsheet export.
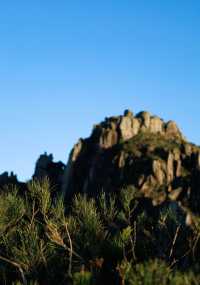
141	151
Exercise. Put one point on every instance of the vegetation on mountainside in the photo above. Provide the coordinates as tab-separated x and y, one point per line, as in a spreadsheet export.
108	240
147	142
146	139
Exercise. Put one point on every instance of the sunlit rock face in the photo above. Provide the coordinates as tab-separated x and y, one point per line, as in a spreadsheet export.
142	151
122	128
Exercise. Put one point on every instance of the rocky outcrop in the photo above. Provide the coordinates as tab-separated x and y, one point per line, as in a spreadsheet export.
159	171
46	167
6	178
9	181
116	129
68	173
141	150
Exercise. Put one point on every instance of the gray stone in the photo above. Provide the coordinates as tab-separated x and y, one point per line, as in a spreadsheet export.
172	130
135	126
146	117
128	113
158	170
170	168
108	138
156	125
126	128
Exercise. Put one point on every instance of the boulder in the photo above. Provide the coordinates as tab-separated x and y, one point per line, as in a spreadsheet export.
126	129
156	125
128	113
135	126
170	168
146	119
108	138
172	130
159	171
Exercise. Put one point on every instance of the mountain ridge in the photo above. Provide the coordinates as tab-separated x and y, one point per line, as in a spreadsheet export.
143	151
154	153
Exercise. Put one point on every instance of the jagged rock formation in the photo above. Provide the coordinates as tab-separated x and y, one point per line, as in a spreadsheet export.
45	167
152	218
116	129
6	178
143	151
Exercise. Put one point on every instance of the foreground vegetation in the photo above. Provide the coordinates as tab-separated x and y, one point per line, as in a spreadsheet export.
113	239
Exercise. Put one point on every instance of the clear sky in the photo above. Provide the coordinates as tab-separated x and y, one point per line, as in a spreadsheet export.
65	65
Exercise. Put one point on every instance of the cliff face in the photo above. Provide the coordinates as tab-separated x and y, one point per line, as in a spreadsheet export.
142	151
46	167
6	178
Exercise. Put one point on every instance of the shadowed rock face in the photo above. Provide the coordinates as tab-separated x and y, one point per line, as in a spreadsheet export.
46	167
143	151
6	178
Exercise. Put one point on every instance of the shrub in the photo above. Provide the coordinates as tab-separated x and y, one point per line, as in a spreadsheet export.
12	209
90	230
82	278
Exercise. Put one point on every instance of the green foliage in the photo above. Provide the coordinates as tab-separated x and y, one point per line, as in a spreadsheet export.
90	230
168	214
40	193
93	240
126	234
82	278
169	219
156	141
12	209
129	202
57	211
180	278
30	251
107	207
154	272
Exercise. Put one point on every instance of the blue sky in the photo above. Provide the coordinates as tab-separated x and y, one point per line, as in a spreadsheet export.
65	65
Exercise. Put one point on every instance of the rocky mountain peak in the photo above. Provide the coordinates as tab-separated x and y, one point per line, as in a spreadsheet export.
140	150
121	128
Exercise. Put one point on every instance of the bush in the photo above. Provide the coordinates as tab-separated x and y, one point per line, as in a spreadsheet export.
12	209
90	230
102	241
